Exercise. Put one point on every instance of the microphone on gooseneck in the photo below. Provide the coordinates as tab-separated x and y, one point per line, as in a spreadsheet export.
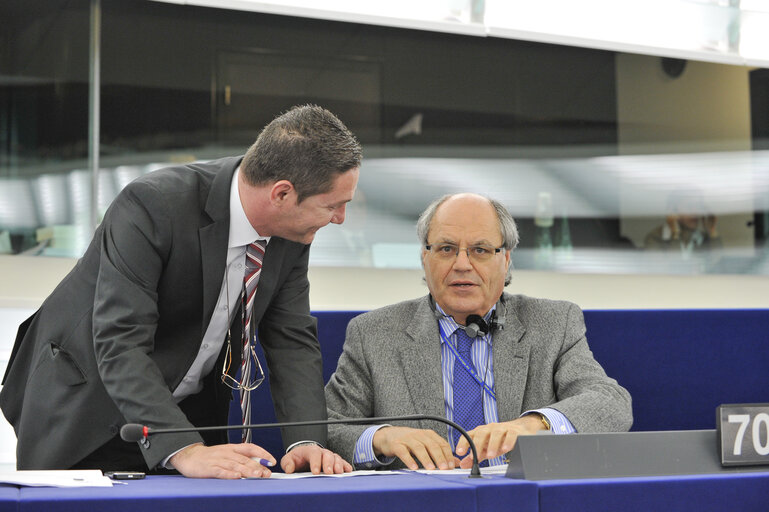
134	432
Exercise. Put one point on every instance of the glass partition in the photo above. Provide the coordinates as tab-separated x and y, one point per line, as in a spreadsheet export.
609	161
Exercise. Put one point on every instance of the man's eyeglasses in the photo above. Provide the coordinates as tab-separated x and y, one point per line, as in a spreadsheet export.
255	379
449	252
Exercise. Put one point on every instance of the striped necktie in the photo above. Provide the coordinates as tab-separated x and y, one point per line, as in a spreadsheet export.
254	257
468	395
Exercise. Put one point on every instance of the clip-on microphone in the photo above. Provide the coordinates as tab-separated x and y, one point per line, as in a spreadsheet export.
475	325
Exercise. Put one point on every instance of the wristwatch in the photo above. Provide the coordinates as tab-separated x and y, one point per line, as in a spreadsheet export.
543	418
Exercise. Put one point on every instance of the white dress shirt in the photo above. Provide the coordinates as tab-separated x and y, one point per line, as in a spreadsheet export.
241	234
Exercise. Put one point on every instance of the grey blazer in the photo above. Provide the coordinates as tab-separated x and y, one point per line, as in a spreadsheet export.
391	365
117	335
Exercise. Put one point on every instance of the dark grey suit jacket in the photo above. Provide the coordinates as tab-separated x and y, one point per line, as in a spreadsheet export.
391	366
118	334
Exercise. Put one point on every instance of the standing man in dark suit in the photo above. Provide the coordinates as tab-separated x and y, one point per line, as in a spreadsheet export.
524	366
148	326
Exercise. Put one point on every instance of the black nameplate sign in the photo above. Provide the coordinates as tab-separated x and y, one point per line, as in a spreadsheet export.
743	434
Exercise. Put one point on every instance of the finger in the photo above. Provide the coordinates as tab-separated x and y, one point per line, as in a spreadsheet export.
231	460
480	440
328	460
229	457
225	474
252	450
287	463
449	457
315	458
436	448
462	446
221	464
260	472
420	452
494	446
226	468
508	442
404	455
347	466
477	435
467	462
338	464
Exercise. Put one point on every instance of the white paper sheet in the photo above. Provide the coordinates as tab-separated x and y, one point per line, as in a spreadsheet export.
284	476
56	478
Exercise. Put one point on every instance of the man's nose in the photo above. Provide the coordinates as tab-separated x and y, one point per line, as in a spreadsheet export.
462	260
339	214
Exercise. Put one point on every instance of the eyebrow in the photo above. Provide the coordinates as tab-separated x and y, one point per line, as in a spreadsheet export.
445	240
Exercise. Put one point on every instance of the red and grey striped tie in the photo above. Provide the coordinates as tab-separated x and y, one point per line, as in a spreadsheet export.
254	257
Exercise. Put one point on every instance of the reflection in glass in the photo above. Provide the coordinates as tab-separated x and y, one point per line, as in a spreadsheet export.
583	146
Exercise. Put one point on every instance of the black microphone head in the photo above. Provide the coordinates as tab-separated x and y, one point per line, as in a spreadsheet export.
132	432
475	325
497	322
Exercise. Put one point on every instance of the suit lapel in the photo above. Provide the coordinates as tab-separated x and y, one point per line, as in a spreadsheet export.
419	350
511	356
214	237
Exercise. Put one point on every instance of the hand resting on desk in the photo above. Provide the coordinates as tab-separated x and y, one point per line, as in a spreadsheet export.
314	458
430	449
433	451
495	439
227	461
233	461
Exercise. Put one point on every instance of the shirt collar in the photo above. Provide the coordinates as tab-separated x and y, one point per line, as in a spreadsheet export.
242	232
448	325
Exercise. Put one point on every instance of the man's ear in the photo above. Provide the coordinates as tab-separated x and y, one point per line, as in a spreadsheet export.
282	192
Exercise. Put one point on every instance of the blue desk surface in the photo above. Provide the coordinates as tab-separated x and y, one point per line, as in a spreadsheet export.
9	498
700	493
406	492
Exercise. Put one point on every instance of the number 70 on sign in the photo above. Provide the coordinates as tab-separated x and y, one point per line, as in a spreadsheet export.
743	434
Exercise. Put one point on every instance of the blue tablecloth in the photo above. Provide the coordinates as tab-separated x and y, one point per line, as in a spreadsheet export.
701	493
9	498
405	492
385	493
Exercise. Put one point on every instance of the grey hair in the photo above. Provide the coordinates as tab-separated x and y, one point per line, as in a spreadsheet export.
507	227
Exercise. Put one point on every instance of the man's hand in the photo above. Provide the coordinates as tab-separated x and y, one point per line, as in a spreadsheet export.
316	459
430	449
495	439
230	461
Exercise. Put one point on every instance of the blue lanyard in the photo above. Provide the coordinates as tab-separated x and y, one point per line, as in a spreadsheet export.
468	367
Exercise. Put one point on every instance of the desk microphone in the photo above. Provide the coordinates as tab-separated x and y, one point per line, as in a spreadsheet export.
134	432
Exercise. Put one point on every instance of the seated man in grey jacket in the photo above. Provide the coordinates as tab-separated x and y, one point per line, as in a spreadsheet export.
528	368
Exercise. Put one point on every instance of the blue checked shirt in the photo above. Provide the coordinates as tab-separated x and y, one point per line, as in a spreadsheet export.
482	360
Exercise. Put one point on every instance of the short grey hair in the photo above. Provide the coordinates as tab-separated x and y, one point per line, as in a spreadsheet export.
507	227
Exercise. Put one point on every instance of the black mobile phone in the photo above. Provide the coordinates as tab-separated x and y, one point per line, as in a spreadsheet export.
124	475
